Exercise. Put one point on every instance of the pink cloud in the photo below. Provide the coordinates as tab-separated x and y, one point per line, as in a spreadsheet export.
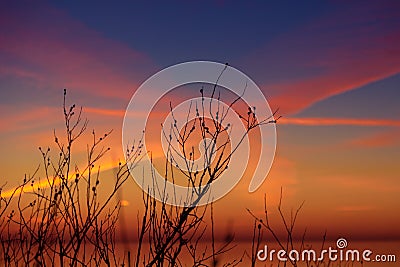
25	119
338	121
66	53
105	112
335	53
385	139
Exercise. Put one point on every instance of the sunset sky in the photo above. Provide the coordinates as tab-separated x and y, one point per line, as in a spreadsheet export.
332	68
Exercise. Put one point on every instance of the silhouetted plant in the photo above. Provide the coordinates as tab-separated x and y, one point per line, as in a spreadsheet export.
175	231
60	220
286	242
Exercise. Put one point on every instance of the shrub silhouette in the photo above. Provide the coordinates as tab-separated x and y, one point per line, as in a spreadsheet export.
59	219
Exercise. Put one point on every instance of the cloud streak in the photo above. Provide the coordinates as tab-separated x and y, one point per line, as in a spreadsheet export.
341	51
338	121
46	45
385	139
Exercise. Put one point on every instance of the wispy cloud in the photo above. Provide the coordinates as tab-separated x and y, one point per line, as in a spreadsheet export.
355	208
47	45
384	139
366	183
27	118
43	184
342	50
105	112
338	121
